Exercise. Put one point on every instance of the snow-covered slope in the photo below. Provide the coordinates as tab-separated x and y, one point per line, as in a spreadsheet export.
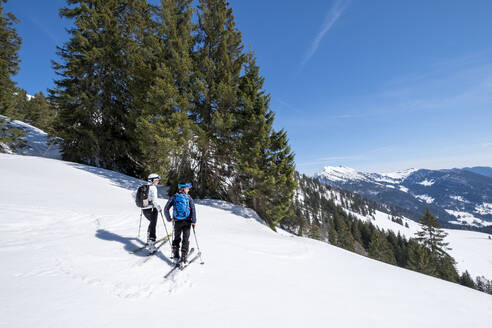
65	232
37	141
347	174
471	250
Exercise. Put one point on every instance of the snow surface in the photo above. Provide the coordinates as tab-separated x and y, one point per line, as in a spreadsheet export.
426	182
38	141
341	173
467	218
426	198
403	188
459	198
344	174
65	262
484	209
381	178
400	175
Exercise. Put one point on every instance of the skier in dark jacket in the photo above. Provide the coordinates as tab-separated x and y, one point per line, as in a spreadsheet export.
184	216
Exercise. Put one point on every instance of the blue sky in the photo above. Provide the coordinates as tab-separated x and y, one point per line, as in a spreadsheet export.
375	85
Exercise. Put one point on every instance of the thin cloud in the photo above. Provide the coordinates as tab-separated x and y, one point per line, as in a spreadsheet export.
349	116
331	18
44	29
333	160
326	161
285	104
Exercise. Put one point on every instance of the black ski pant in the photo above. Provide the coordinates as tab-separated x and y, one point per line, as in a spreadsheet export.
181	227
151	215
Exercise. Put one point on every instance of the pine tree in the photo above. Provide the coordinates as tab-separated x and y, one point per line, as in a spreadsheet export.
344	237
21	108
314	231
164	128
380	249
332	234
280	179
11	138
366	234
430	255
9	60
40	113
295	222
466	280
483	284
419	259
393	240
402	254
446	269
431	236
218	61
356	232
101	82
254	124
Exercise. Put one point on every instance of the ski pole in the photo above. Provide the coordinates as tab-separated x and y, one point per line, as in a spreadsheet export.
140	224
174	230
165	227
196	242
174	236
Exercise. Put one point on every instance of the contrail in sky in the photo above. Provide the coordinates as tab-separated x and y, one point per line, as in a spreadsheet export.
331	18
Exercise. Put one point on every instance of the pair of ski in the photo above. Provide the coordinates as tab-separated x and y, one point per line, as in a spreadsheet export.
180	266
158	244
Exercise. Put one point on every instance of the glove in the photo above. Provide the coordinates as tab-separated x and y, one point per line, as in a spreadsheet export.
159	208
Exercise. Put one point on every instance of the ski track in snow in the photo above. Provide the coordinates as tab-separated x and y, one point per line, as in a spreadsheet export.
65	262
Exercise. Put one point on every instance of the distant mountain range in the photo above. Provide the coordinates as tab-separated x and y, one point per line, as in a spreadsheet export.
458	197
483	170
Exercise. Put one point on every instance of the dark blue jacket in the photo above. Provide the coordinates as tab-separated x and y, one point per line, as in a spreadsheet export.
170	203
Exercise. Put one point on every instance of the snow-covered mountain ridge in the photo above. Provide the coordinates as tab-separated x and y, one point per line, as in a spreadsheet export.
66	230
456	196
346	174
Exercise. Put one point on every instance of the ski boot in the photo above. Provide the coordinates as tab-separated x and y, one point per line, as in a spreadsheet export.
175	255
151	246
184	258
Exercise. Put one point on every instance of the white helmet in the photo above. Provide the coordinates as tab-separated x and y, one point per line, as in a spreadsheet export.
153	176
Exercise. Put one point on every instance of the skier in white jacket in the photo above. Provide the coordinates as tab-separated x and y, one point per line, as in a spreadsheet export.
151	212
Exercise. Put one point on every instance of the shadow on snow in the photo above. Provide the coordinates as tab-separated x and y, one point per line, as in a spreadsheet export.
239	210
129	244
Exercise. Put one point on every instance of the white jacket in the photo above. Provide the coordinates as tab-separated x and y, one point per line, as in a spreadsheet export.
153	197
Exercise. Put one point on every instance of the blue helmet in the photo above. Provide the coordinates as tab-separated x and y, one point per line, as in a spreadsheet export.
184	185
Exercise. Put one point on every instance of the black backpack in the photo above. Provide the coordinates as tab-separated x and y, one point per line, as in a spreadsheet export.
142	197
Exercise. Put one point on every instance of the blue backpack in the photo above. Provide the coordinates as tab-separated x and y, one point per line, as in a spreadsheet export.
181	207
